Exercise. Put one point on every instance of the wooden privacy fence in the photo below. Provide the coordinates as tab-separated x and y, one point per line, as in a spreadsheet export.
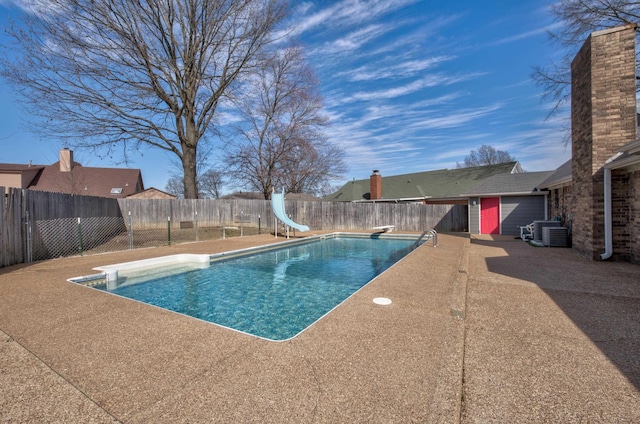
40	225
154	213
11	227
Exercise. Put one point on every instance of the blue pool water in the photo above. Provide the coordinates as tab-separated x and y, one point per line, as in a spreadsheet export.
273	294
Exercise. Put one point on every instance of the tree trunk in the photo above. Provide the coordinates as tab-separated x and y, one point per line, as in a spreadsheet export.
190	174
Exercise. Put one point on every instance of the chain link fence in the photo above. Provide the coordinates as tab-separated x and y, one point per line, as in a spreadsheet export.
54	238
41	225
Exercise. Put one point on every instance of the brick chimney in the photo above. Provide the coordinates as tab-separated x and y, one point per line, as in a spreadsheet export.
375	183
66	160
603	118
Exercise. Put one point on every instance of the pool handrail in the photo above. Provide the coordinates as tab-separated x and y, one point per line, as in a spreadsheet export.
434	237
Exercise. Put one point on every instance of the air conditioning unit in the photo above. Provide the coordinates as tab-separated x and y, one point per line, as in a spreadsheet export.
554	236
539	225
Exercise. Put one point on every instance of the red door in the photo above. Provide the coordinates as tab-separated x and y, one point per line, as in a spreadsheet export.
490	215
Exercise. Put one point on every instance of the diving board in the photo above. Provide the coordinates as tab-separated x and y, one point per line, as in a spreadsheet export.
385	228
277	204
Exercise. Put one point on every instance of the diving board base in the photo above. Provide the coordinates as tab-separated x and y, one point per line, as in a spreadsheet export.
385	228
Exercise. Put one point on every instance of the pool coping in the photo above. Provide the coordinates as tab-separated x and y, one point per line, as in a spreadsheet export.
110	274
534	344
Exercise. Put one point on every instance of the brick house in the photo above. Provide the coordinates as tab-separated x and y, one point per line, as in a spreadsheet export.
599	195
68	176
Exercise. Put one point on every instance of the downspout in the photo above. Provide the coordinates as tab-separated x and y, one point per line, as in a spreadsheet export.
608	232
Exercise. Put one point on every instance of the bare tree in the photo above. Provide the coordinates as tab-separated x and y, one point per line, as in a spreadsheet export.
174	186
309	167
578	18
328	188
121	74
280	142
210	184
485	155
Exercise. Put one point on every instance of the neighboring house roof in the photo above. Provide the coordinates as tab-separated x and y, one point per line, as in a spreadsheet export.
511	184
560	177
253	195
18	175
18	167
249	195
89	181
67	176
152	193
438	184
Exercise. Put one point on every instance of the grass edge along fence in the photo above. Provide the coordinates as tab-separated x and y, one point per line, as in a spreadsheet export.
42	225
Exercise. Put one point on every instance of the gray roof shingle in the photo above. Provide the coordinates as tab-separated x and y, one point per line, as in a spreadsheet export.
561	176
528	182
438	184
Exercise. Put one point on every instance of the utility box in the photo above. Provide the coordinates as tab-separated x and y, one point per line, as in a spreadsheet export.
539	225
554	236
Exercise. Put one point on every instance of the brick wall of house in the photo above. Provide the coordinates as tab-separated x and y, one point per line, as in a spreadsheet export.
620	214
626	213
603	118
561	204
634	212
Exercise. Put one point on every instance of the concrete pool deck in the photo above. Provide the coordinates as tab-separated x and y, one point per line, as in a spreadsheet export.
481	329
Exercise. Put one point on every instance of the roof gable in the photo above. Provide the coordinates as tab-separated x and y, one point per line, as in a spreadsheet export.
152	193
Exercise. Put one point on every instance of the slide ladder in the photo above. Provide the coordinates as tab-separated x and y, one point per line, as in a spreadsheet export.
277	204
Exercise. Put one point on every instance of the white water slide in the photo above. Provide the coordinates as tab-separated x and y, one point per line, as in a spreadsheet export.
277	204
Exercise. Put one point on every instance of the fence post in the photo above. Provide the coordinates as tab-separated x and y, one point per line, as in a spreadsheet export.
196	219
130	232
258	224
241	223
29	238
169	230
79	237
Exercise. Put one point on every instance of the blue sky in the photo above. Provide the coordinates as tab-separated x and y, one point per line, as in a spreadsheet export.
409	86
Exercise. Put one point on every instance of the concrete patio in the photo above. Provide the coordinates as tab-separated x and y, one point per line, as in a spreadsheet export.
481	329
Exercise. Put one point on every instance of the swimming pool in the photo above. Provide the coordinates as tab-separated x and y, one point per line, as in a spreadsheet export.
275	292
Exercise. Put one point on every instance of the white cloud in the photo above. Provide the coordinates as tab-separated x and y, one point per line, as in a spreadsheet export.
411	87
527	34
353	40
35	7
407	68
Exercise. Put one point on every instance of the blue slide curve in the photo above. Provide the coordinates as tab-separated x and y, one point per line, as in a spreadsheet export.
277	204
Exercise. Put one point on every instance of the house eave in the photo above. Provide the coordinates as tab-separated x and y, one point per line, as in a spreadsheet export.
623	162
507	193
400	199
560	183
